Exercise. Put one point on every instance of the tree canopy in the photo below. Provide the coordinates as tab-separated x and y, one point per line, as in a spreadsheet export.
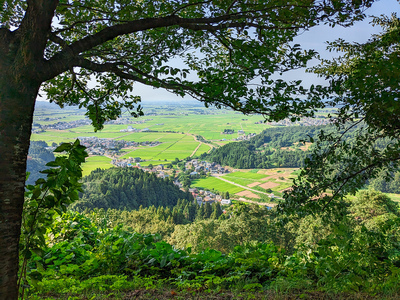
88	53
120	42
364	89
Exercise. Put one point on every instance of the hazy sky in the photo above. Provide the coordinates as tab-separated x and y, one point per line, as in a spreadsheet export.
316	39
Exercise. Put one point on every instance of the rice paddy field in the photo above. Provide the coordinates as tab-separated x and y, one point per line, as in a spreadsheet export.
262	180
176	127
172	146
196	120
216	184
94	162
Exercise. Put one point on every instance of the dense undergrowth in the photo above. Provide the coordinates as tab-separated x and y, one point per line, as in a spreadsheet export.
85	257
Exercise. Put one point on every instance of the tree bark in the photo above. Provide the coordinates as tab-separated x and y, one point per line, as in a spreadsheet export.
17	100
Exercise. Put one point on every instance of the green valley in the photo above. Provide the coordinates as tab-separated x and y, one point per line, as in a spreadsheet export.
175	126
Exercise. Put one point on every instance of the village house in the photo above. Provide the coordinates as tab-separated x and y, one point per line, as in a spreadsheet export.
199	200
226	202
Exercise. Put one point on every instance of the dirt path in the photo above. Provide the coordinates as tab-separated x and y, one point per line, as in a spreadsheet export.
195	150
195	138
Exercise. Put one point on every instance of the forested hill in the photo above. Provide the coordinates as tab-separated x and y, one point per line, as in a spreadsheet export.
38	157
127	188
268	149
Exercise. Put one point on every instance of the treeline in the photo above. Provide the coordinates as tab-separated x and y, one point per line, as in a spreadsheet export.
206	226
266	150
127	189
158	220
38	157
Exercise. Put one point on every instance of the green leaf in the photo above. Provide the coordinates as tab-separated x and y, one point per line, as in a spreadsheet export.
63	147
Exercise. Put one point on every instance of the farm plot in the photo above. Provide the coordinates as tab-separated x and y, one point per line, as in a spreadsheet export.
147	153
94	162
248	194
203	148
140	136
173	146
209	126
246	175
50	138
269	185
257	179
216	184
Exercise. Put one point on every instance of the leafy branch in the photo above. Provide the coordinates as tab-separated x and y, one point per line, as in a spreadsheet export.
43	200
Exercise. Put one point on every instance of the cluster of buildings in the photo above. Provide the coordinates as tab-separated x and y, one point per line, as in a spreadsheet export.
110	147
66	125
244	137
126	121
134	162
198	166
202	197
129	162
103	146
37	128
131	129
319	120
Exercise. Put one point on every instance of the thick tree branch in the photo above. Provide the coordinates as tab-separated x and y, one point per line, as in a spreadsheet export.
6	38
34	29
62	60
70	27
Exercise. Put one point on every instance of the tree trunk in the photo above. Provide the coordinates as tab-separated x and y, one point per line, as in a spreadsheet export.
17	100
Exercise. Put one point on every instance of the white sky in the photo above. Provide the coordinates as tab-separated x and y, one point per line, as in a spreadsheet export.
315	39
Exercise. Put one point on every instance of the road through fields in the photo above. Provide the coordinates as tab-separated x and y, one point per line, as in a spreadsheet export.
242	186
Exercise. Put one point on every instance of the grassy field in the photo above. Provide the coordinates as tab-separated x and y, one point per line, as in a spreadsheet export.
174	126
94	162
210	123
245	175
203	148
174	145
394	197
215	183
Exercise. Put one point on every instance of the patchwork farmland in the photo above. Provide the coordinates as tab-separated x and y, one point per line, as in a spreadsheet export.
251	183
182	130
